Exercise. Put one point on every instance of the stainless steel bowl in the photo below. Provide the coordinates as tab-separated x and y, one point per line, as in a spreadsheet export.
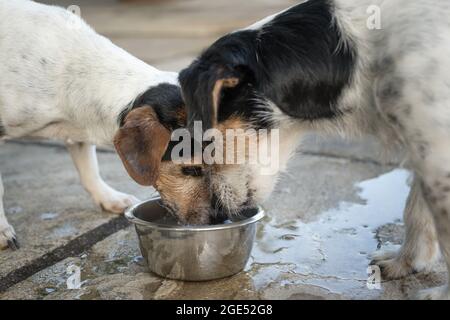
193	253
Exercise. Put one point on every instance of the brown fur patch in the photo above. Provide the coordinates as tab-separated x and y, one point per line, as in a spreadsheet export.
181	117
251	141
141	143
233	122
186	196
230	82
219	85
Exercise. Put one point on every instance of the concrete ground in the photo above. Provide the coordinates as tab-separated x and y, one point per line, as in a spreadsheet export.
338	203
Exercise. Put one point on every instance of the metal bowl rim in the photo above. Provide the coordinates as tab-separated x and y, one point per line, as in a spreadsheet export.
129	214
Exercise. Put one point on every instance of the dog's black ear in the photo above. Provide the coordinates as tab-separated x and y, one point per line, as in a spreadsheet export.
203	88
141	143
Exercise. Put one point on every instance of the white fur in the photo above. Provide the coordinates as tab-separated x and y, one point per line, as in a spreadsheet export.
420	249
410	55
6	230
59	79
418	43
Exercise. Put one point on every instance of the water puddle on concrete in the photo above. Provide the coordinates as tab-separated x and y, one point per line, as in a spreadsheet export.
331	252
49	216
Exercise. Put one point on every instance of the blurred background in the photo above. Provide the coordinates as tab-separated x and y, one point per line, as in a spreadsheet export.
170	33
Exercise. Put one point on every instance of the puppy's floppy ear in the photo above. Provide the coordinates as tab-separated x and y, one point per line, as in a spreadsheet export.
141	143
202	90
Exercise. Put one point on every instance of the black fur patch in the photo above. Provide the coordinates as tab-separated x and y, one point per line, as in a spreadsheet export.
172	144
193	171
167	102
299	61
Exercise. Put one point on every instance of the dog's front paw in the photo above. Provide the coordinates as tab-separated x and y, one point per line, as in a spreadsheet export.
391	264
115	201
8	238
437	293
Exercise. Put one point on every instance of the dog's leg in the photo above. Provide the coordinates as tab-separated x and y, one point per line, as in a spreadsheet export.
418	112
436	186
420	249
7	233
85	159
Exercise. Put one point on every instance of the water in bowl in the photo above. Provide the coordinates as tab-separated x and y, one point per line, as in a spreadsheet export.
155	212
164	217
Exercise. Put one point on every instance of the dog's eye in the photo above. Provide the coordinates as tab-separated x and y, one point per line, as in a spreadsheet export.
192	171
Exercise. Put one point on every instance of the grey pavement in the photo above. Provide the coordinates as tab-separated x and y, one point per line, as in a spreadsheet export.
324	219
338	202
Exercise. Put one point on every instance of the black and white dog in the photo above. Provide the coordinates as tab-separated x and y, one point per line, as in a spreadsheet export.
318	66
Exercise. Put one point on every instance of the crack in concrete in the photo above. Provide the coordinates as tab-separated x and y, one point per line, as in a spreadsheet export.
73	248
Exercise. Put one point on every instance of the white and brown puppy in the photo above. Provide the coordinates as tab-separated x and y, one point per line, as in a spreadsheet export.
318	66
61	80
